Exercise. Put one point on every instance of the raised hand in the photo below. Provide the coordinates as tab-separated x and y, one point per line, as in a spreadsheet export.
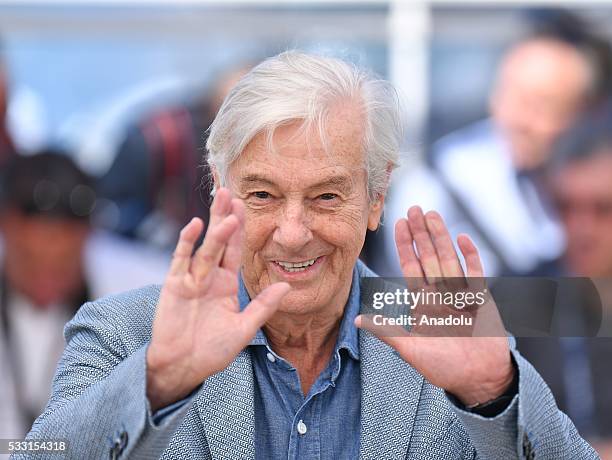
199	328
475	368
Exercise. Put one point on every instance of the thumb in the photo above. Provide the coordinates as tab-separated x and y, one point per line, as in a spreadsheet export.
394	336
264	305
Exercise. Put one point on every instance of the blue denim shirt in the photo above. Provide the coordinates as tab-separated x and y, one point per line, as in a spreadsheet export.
324	424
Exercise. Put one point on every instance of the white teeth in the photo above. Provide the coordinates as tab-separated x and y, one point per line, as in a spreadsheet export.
296	266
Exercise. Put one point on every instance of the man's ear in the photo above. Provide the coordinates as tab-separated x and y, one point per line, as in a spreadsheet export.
216	180
376	209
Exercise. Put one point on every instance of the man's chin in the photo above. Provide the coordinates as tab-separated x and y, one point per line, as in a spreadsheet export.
300	301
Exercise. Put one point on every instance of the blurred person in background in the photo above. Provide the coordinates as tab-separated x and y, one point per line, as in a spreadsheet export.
159	178
44	221
581	182
51	263
577	368
485	179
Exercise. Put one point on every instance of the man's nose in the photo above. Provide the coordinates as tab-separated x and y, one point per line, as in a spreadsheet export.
292	229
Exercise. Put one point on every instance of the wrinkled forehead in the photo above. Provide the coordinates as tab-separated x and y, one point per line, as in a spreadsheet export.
300	155
299	149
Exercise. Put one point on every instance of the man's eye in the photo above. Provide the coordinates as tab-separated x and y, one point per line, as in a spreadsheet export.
328	196
261	195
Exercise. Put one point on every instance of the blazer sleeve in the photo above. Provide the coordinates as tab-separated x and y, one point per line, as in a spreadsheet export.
531	427
98	402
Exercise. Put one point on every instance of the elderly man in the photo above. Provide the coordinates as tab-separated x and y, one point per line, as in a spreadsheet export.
250	349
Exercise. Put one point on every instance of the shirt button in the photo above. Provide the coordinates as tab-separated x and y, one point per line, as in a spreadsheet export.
301	427
271	357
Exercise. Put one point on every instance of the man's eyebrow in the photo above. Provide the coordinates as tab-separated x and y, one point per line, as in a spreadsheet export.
343	183
251	179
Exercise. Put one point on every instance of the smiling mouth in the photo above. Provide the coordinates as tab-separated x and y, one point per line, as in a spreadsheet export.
292	267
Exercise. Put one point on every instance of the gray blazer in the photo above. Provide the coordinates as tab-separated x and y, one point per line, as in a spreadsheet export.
98	403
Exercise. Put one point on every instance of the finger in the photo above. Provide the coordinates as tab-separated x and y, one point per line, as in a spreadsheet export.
264	306
424	246
394	336
203	259
210	253
409	262
181	258
470	255
220	207
233	252
443	244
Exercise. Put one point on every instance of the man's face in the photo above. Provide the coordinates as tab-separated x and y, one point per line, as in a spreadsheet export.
43	256
583	191
532	119
305	206
539	90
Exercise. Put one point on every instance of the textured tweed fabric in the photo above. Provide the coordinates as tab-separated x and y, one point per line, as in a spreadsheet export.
98	403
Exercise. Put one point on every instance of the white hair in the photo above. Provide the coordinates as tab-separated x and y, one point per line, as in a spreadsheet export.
298	86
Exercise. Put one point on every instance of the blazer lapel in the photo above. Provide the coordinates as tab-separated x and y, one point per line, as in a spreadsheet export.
226	407
390	392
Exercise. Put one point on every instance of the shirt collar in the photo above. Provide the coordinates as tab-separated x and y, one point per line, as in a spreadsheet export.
348	336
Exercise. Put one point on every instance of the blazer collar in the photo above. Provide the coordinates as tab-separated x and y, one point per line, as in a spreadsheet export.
390	393
226	407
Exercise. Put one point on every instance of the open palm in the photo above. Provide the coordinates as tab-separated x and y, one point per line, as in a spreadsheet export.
475	368
199	328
